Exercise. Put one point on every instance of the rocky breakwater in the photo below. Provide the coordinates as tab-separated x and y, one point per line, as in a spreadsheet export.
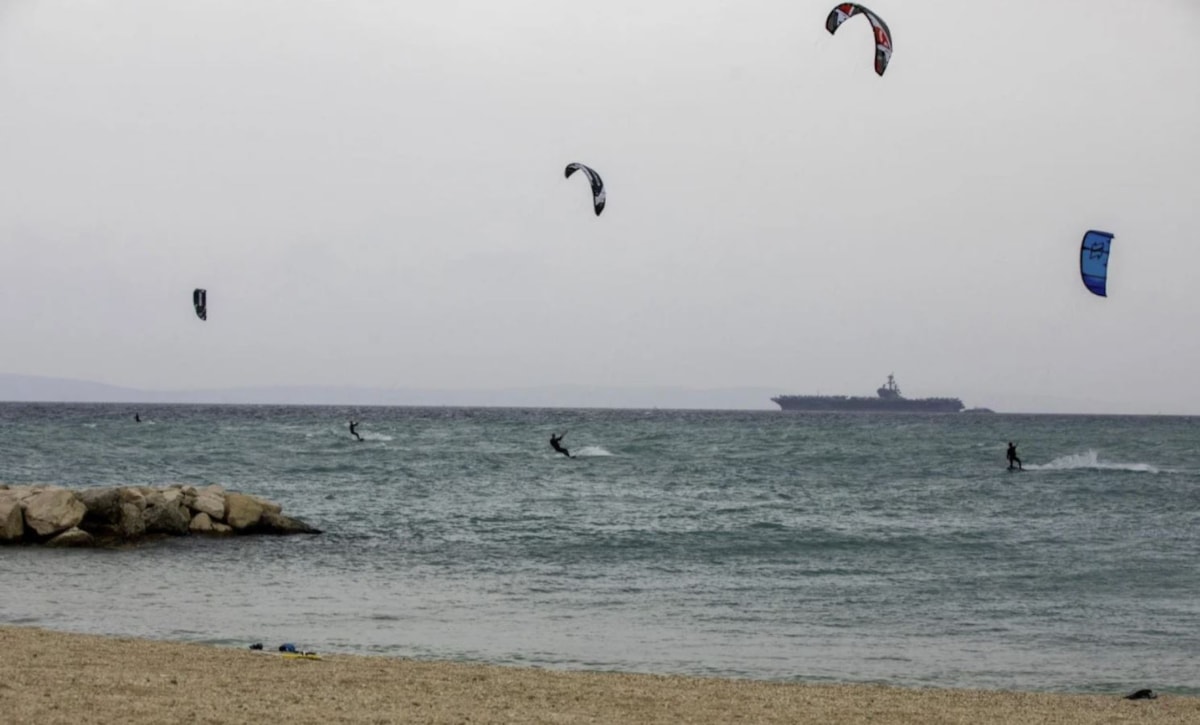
56	516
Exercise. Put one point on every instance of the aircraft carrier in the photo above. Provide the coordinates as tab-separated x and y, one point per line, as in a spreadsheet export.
888	399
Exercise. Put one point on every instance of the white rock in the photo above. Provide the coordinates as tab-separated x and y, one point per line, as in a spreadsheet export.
53	510
73	536
211	503
201	523
24	492
242	511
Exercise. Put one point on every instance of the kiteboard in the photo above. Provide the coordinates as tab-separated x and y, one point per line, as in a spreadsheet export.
300	656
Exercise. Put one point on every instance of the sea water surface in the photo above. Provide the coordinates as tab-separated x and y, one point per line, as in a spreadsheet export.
799	547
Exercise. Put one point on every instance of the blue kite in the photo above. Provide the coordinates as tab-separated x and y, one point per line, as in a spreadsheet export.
1093	261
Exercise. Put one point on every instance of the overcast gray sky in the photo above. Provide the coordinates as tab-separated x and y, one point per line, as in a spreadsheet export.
372	193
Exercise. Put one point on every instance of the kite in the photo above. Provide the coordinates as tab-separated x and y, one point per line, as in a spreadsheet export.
200	302
1093	261
598	194
883	36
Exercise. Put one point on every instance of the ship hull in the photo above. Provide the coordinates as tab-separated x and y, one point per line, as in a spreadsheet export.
838	403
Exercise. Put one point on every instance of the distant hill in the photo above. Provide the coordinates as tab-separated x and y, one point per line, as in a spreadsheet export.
32	388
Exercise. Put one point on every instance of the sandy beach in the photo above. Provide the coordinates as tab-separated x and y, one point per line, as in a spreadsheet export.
53	677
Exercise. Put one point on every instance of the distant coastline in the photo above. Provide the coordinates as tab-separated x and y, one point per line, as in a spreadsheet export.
21	388
38	389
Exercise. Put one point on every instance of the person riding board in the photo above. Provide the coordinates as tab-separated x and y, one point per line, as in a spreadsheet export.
353	425
556	444
1012	457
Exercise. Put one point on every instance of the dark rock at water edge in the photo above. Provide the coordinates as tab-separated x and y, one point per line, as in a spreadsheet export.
115	516
273	523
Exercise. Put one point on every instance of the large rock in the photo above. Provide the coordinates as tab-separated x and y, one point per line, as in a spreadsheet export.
73	536
109	515
133	508
53	510
208	501
165	515
133	496
103	509
273	523
133	521
23	493
12	518
268	505
201	524
242	511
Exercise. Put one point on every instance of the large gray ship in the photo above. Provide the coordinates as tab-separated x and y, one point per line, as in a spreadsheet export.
889	399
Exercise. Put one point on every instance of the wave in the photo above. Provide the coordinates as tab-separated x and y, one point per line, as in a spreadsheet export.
590	452
342	434
1091	460
369	436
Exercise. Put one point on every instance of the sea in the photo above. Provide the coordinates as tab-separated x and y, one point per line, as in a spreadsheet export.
797	547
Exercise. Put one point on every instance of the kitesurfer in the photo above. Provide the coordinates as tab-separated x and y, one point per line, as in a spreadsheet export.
353	425
556	444
137	418
1012	457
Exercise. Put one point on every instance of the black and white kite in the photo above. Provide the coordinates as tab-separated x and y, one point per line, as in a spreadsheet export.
598	194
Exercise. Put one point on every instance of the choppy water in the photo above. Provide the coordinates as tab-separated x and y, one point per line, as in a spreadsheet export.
809	547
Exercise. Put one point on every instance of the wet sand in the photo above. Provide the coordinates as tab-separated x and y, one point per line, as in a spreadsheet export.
52	677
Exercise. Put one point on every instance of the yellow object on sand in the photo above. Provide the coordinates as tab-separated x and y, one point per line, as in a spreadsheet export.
300	656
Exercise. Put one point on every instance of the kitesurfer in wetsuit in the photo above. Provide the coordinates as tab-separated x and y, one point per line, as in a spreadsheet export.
353	425
1012	457
137	418
556	444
